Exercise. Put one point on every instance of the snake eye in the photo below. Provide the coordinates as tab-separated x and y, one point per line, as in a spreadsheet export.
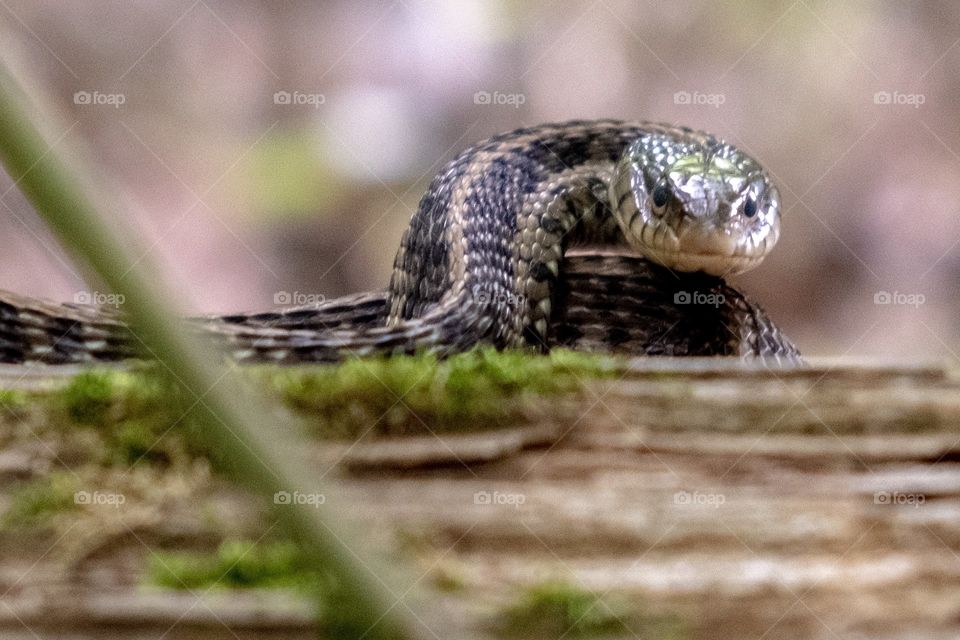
750	207
660	196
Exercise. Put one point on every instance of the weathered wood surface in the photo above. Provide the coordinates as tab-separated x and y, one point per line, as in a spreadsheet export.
818	502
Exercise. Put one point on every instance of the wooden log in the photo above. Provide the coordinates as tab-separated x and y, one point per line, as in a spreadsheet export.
733	500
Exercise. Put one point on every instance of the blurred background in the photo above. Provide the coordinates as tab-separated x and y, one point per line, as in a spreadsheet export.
272	152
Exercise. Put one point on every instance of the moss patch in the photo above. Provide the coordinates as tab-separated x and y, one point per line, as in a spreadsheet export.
34	504
12	401
558	609
236	564
134	411
416	394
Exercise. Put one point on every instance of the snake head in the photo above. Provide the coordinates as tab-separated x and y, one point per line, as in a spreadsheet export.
694	203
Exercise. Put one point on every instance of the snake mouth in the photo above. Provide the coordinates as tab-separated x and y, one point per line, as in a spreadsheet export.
712	250
710	263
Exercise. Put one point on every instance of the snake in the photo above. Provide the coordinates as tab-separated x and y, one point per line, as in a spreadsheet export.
598	235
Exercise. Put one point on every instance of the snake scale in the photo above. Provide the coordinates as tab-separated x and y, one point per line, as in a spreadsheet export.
489	258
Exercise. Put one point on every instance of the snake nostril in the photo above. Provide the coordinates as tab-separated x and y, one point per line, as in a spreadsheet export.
725	210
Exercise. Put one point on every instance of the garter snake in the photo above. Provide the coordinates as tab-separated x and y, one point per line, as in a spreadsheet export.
483	260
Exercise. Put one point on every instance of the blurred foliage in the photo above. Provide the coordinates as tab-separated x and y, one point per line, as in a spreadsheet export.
284	177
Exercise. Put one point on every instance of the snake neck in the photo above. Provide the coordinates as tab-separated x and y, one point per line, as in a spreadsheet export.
488	237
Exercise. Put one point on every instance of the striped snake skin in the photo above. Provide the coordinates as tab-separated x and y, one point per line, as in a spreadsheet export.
489	258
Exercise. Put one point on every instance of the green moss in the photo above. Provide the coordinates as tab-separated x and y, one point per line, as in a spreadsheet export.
123	417
107	396
558	609
132	411
12	401
236	564
36	502
477	389
135	441
89	397
555	609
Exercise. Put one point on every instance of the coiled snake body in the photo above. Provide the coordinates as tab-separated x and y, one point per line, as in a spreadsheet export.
483	260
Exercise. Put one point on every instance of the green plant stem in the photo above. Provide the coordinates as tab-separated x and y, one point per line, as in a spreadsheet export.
259	447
